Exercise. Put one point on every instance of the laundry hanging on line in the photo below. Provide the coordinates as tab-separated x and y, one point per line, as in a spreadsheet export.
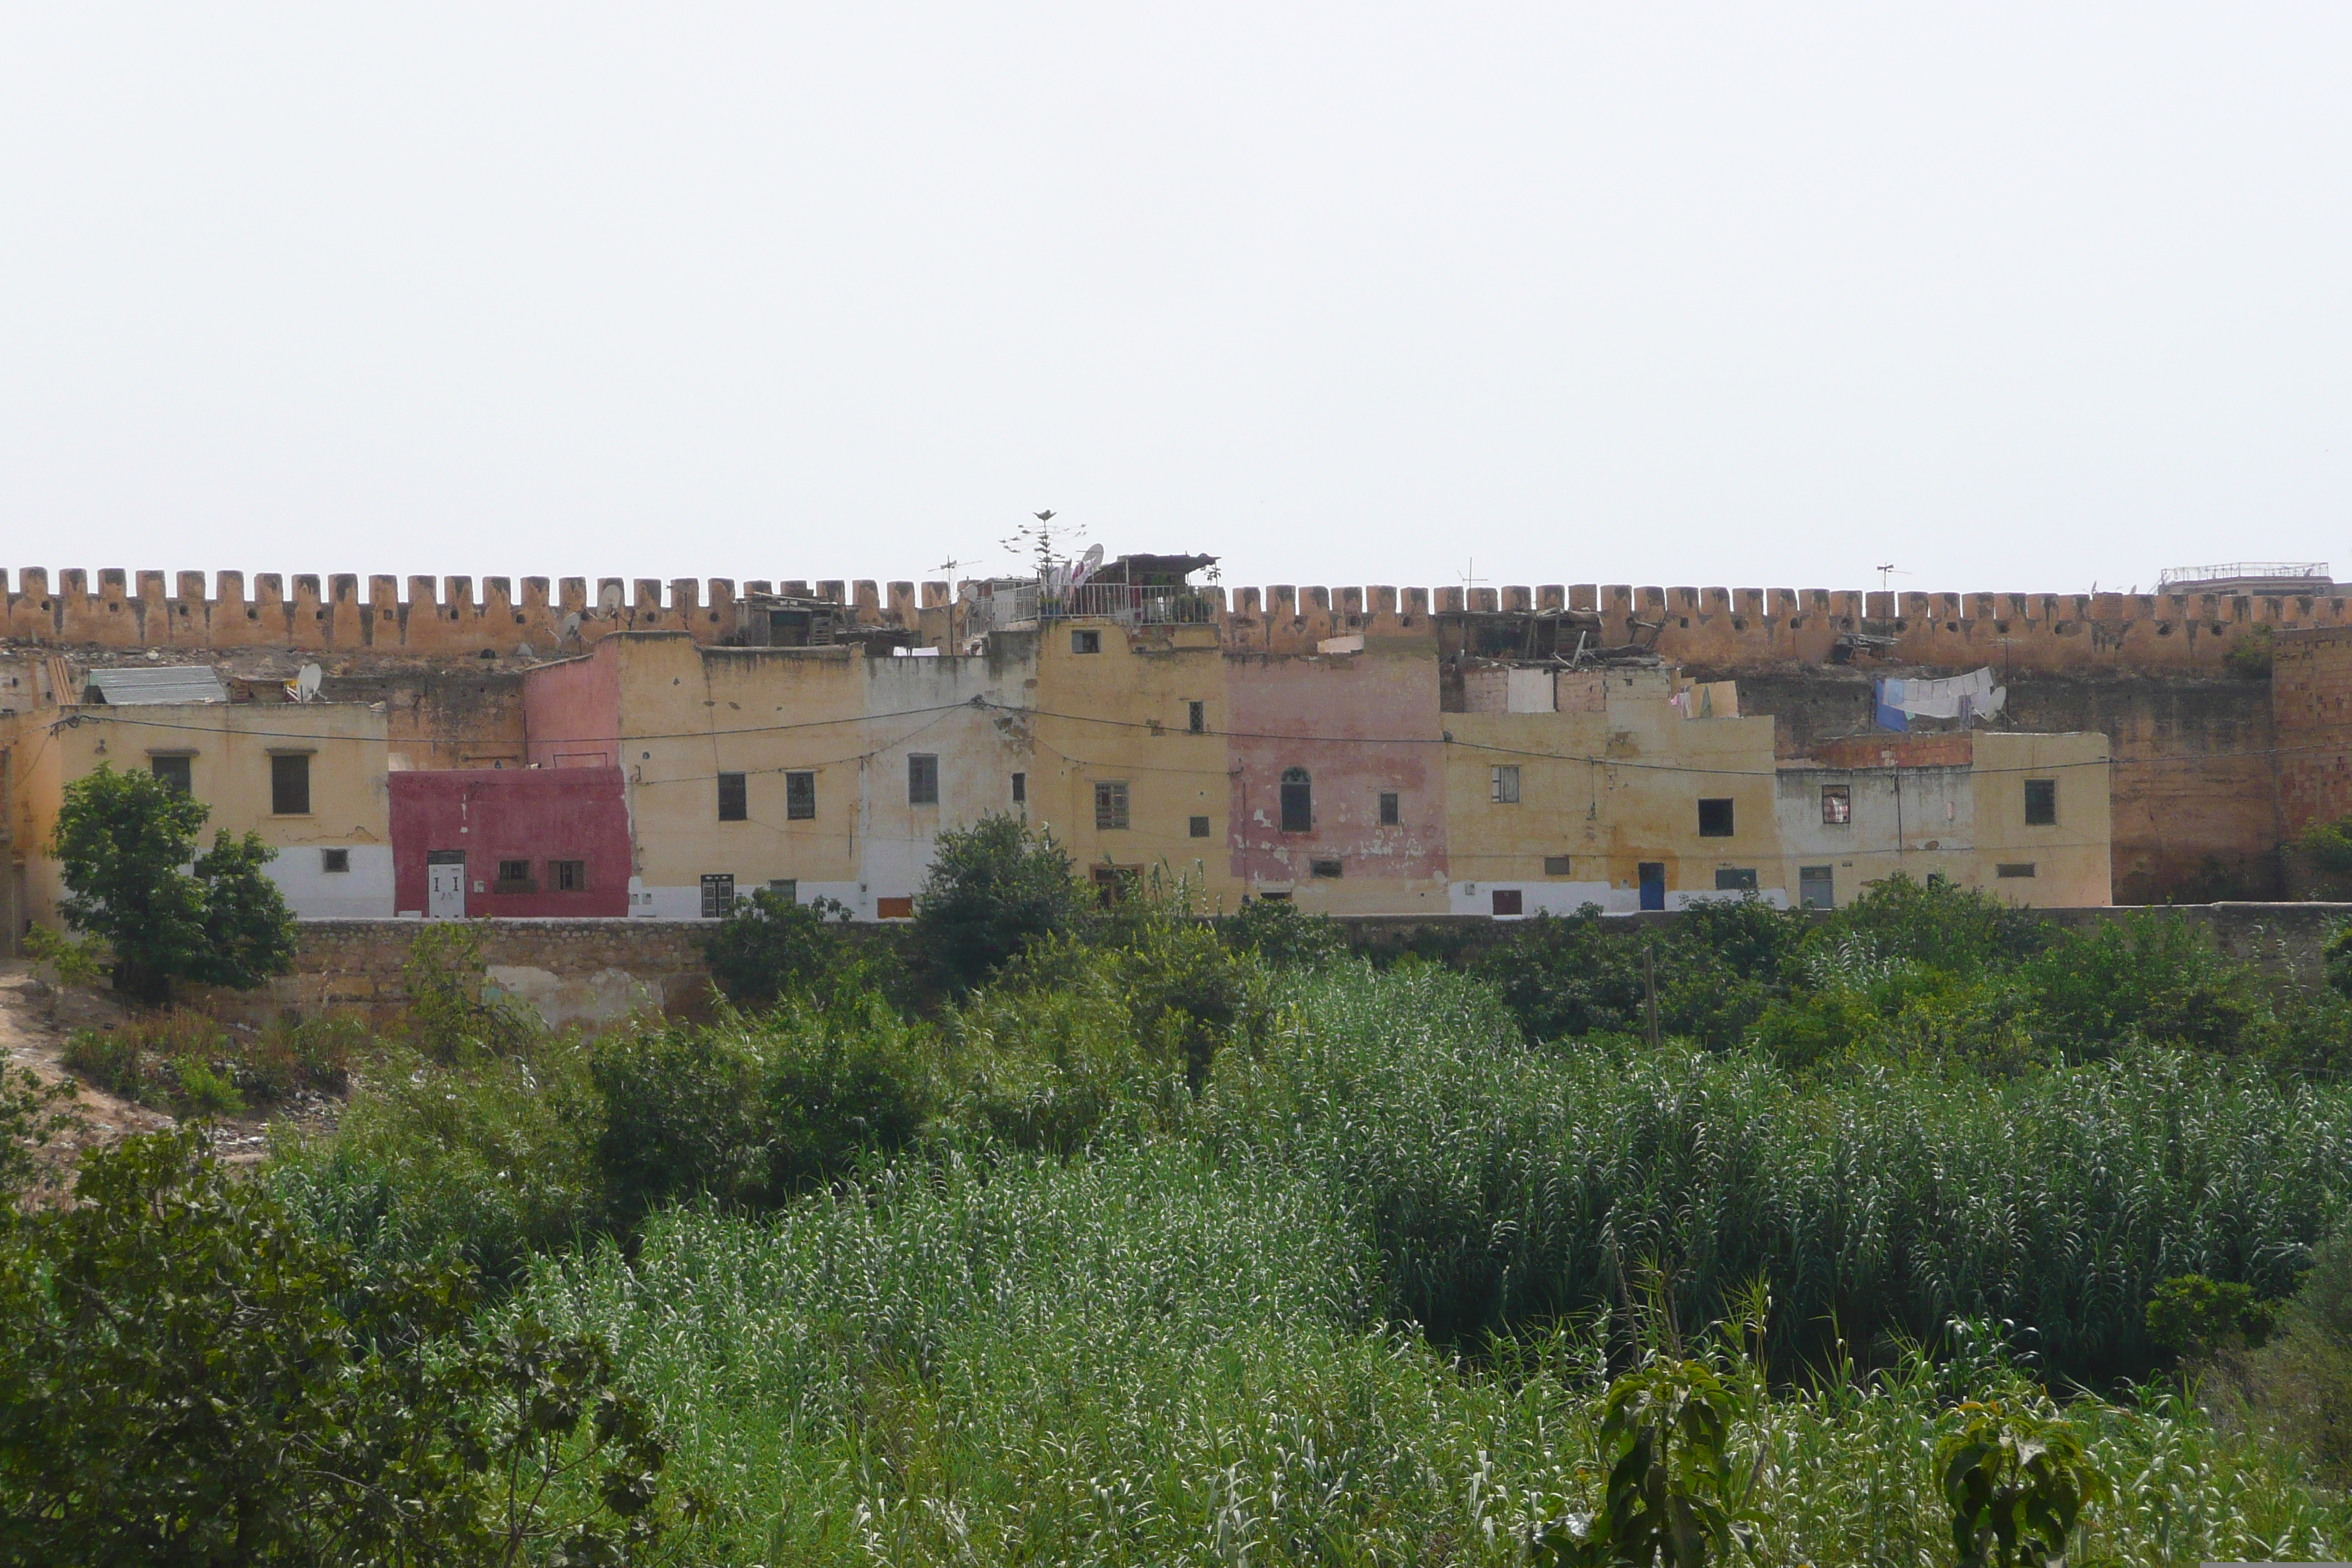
1963	696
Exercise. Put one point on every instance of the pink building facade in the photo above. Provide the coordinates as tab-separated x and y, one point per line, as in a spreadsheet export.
1354	805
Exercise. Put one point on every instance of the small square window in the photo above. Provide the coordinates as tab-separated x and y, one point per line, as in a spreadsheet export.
1086	642
1391	810
1113	883
289	785
2041	802
734	799
1715	819
800	797
1200	826
1730	879
514	876
1326	868
922	780
568	876
2017	869
1506	902
787	889
332	861
894	909
176	772
1505	785
1837	804
1196	717
1110	806
1556	864
1020	789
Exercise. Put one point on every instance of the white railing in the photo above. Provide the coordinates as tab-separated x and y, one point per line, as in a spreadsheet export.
1149	605
2270	571
998	606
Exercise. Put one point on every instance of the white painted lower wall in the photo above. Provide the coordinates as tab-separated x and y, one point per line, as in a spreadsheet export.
313	894
1540	898
649	901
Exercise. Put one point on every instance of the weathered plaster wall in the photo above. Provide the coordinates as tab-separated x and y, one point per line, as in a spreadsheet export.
2311	710
228	747
1122	716
1361	724
2195	810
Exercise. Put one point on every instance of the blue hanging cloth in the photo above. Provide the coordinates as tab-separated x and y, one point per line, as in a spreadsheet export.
1888	698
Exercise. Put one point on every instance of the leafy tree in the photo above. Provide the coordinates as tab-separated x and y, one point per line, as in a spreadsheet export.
768	945
32	1115
1668	1497
995	888
249	931
128	845
2017	1484
124	841
187	1376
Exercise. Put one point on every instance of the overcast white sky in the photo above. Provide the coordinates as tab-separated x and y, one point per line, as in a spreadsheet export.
2013	296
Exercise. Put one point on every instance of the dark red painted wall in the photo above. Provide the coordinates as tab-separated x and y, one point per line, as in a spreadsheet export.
514	814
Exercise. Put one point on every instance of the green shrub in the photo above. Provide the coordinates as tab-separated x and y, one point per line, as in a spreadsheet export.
2195	1317
770	946
2252	655
491	1160
187	1376
2151	976
994	889
749	1111
2301	1380
452	1011
1281	934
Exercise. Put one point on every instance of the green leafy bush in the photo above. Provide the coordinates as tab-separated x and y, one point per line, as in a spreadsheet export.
491	1160
770	946
2252	655
749	1111
452	1011
2193	1316
995	888
187	1376
1284	935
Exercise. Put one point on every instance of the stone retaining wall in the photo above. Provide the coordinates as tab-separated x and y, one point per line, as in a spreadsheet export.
598	971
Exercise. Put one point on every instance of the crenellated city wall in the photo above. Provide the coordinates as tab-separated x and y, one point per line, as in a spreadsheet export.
1718	627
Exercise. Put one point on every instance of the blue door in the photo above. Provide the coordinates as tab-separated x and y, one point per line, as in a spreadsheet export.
1654	885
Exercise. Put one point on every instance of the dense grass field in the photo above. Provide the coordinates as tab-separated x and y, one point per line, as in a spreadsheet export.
1166	1242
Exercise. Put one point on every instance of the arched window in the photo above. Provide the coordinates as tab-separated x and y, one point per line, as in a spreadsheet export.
1297	801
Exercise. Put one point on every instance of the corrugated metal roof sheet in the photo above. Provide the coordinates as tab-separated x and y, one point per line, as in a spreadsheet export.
156	683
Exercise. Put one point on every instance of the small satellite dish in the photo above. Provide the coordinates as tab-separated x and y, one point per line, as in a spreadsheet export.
1087	564
608	599
306	684
570	627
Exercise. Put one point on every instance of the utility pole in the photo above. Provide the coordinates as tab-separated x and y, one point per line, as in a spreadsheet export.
1650	986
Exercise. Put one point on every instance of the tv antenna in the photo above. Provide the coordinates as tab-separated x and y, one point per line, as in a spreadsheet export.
1889	570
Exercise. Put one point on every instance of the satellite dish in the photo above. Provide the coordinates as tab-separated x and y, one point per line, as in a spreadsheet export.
570	627
609	597
1087	564
306	684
